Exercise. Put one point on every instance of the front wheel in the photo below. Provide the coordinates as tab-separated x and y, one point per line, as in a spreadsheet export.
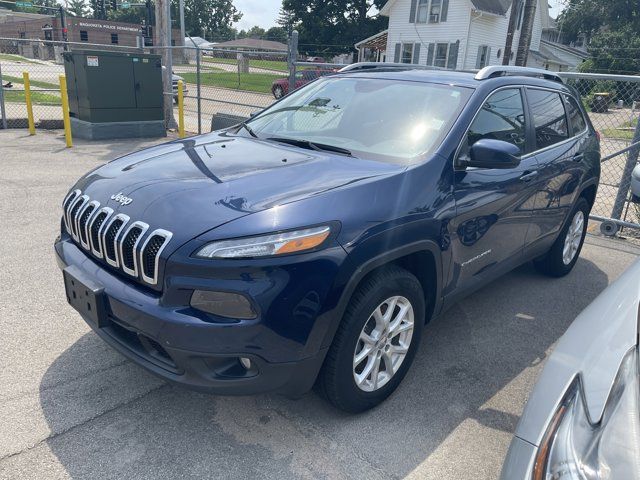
564	253
376	341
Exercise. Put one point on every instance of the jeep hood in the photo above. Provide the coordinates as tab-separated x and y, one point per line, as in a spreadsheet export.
194	185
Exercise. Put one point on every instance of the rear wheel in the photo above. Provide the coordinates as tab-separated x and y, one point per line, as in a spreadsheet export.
564	253
376	341
278	92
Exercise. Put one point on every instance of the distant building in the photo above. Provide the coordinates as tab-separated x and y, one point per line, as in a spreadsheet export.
253	44
47	28
460	34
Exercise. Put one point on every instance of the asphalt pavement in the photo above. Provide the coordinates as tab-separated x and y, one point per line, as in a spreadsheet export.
70	407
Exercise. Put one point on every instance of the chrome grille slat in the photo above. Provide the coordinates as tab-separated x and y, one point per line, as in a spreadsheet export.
73	215
143	227
114	229
153	280
119	244
95	237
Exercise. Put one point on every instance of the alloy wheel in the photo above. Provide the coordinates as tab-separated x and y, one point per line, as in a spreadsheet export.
573	238
383	343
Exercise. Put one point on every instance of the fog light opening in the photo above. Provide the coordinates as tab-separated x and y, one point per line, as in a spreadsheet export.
245	362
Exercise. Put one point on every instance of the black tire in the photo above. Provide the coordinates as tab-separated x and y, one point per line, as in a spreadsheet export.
336	380
278	92
552	263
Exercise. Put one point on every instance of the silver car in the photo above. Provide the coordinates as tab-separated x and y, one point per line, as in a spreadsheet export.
582	420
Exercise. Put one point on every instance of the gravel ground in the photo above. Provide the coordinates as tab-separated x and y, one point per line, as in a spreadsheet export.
73	408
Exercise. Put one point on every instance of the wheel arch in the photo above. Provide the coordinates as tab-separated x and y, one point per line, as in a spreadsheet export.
423	259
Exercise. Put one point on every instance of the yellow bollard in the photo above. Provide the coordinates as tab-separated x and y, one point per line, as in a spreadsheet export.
65	111
180	109
27	97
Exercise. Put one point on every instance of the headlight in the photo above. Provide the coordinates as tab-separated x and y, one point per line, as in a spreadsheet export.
573	448
267	245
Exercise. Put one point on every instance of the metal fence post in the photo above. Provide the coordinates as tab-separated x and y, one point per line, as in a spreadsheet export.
625	182
293	58
3	110
199	99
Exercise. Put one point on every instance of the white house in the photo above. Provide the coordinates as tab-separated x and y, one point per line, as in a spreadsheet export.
461	34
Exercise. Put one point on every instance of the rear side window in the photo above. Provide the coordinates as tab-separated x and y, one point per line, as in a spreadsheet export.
500	118
576	119
549	119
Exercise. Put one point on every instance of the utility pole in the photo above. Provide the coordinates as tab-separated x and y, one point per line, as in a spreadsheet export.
182	31
163	29
525	33
513	20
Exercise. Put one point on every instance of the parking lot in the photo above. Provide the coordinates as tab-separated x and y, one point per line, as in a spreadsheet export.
71	407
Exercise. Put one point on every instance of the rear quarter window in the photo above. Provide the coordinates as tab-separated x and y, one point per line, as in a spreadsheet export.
576	119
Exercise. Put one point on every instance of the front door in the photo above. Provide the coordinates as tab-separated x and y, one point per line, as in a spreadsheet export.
493	206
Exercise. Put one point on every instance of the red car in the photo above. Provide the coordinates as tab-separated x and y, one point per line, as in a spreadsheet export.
280	87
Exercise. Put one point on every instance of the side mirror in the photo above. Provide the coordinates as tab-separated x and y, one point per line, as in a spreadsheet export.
489	153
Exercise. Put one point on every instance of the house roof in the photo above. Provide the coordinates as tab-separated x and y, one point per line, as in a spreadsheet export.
498	7
254	44
375	42
573	51
546	56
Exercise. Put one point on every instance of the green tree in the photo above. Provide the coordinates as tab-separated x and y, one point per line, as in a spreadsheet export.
277	34
611	29
78	8
216	17
334	26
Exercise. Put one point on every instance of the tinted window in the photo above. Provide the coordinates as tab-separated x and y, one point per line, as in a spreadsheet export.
549	118
577	121
501	118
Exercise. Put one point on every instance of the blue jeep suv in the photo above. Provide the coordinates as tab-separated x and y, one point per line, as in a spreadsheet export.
310	244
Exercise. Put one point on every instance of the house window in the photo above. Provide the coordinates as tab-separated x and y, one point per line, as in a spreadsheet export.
407	53
483	56
84	36
430	11
422	13
114	38
434	11
520	14
442	49
443	55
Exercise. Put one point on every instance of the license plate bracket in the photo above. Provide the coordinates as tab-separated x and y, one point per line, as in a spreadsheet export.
86	296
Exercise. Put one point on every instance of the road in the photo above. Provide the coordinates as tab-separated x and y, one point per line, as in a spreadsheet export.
73	408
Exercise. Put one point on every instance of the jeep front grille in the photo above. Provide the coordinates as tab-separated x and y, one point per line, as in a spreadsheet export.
110	237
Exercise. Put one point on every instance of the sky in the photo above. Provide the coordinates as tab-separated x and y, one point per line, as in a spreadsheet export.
264	12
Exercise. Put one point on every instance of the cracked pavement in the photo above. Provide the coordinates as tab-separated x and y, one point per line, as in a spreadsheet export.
71	407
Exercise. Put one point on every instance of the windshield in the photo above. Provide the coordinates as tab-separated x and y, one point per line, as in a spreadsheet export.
390	120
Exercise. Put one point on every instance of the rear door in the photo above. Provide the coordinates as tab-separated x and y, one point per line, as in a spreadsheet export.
559	133
493	206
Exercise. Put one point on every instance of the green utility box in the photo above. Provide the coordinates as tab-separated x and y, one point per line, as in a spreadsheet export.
114	94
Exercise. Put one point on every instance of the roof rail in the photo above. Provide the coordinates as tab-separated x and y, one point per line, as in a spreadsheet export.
386	66
505	70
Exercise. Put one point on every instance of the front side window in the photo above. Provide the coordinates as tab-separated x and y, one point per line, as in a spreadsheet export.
549	118
380	119
500	118
576	119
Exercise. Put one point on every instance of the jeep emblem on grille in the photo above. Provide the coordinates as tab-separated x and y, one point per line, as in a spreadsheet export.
118	197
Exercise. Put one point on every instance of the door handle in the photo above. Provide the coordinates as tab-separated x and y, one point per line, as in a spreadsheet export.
528	176
578	157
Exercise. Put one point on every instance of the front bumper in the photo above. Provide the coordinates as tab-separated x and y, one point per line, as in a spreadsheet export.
175	343
519	462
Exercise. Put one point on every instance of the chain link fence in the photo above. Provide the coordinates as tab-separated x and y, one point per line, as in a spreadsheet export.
224	86
613	105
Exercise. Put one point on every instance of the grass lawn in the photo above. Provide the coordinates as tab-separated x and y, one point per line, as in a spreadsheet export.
38	98
34	83
619	134
15	58
279	65
253	82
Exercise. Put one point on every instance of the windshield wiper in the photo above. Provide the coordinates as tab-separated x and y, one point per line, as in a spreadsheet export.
248	129
311	145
